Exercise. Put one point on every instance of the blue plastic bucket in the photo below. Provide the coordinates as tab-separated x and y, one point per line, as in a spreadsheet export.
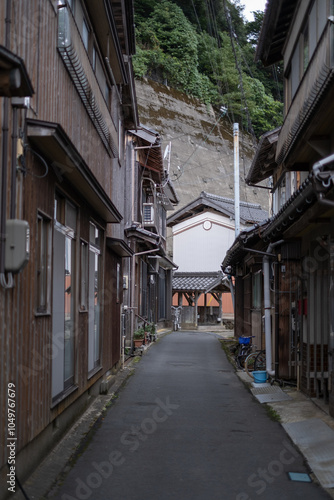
260	377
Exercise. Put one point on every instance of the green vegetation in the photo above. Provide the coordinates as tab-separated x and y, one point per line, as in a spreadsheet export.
272	414
206	50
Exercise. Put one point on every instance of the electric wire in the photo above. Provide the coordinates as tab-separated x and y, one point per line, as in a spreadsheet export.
242	91
212	61
182	167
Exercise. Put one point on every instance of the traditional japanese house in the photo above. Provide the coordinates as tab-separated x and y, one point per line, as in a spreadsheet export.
284	268
146	230
202	232
67	100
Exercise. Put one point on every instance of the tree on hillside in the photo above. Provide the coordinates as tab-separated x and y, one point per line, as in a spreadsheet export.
168	50
206	49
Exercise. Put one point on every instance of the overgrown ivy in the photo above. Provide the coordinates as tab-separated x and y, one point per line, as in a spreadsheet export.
172	49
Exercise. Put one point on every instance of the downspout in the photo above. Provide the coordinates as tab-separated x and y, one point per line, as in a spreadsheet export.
276	322
230	282
13	164
4	160
267	306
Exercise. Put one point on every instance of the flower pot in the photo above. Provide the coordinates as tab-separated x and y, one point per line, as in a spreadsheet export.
138	342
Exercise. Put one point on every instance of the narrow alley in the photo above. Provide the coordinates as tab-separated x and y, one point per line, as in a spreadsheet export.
185	427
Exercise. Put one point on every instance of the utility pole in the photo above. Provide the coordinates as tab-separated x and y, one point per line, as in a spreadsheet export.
236	179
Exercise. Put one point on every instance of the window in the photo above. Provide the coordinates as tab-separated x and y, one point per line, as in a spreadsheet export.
118	282
162	294
295	72
63	296
85	34
94	59
306	53
71	3
43	280
280	195
256	295
83	276
94	300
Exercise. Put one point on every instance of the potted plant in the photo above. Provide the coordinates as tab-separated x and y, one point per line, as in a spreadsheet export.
151	330
138	336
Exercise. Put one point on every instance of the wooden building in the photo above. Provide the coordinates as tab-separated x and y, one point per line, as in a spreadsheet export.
146	230
284	268
67	103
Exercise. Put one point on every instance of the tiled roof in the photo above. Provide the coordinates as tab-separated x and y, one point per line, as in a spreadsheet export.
200	282
249	212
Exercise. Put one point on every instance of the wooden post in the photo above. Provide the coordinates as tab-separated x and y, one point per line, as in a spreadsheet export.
220	307
179	299
196	309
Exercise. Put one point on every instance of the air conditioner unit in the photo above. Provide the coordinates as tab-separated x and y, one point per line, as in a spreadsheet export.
148	214
154	265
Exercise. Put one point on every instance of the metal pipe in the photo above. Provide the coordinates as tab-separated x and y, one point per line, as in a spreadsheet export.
251	250
267	306
276	323
236	179
4	158
13	164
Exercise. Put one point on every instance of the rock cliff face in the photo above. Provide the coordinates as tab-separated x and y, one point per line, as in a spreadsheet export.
202	154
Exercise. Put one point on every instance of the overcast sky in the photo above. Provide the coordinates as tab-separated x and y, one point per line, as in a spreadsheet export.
251	5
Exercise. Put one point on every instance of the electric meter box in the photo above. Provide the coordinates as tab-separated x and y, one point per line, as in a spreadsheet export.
17	245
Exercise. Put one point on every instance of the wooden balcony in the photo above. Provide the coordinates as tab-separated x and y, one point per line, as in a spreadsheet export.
310	113
76	60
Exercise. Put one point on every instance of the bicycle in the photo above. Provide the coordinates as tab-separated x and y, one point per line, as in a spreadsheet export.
256	361
245	348
176	314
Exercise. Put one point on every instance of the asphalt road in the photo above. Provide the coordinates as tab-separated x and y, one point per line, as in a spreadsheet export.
184	427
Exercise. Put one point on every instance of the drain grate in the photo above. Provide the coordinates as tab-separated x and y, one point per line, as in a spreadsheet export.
299	476
270	394
266	389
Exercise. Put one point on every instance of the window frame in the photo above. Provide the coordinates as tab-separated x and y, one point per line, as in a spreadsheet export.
64	327
95	253
43	271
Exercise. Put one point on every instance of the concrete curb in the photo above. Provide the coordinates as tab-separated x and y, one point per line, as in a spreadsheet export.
297	409
40	484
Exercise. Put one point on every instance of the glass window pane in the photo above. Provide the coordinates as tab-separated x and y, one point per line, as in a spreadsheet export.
85	34
83	275
97	311
69	311
257	291
71	216
43	281
305	48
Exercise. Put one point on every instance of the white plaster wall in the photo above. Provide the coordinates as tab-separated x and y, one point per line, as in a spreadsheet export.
196	249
